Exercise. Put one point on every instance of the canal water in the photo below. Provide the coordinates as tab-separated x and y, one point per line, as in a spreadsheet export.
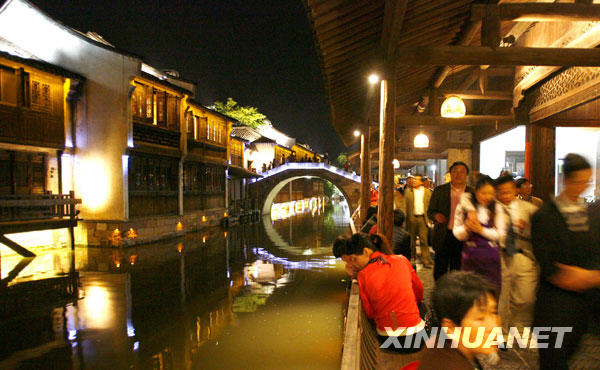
267	295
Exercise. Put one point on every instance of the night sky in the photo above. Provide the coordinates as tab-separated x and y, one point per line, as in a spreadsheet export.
259	52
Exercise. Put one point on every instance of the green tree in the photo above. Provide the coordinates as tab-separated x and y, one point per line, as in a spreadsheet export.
341	160
248	116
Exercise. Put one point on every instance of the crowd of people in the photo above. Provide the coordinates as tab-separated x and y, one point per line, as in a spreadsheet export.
502	258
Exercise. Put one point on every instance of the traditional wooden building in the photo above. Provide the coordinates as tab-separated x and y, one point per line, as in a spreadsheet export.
147	160
35	125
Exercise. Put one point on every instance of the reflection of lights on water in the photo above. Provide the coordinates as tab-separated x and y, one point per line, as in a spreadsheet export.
136	346
316	263
96	307
130	329
72	334
285	210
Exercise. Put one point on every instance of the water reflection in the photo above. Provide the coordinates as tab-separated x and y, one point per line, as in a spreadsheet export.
262	295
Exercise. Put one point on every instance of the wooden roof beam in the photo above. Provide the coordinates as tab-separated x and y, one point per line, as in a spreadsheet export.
468	120
393	20
502	56
538	12
476	95
466	37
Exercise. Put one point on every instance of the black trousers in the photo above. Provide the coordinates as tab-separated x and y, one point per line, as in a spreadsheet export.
447	258
559	308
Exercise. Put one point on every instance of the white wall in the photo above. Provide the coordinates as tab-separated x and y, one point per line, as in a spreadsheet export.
492	151
102	114
580	140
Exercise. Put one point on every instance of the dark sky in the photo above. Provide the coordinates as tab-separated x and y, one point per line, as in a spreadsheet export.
259	52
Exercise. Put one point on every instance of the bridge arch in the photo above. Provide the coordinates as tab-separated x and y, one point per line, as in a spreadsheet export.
266	188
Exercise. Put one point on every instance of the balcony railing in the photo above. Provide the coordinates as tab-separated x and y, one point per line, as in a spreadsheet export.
27	207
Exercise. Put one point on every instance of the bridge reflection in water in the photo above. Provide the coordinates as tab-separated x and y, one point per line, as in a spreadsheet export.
258	296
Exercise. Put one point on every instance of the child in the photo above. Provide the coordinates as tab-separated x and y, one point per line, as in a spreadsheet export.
389	288
462	300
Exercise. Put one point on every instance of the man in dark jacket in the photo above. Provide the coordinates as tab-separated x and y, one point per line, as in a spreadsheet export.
443	202
565	236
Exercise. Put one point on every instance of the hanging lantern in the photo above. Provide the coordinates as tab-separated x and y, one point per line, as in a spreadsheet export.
453	107
421	141
396	163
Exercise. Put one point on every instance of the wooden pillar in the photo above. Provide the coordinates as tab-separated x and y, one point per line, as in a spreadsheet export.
59	154
387	136
540	144
365	173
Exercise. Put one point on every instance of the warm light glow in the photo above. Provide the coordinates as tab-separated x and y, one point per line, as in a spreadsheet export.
396	163
356	133
225	233
373	79
179	226
421	141
225	214
179	247
204	239
117	232
453	107
131	233
203	218
95	183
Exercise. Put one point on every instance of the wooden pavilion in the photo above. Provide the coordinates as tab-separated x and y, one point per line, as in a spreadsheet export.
512	63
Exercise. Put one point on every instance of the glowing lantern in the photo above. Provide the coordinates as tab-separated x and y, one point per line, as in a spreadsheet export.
179	226
453	107
421	141
396	163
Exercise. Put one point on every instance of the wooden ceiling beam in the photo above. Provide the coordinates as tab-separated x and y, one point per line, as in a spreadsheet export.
465	38
348	45
340	17
356	29
539	12
320	7
477	95
393	21
505	56
469	120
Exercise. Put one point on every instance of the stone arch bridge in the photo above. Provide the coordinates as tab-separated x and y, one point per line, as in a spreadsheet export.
267	187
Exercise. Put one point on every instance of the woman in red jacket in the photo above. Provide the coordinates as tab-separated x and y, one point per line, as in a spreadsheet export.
389	290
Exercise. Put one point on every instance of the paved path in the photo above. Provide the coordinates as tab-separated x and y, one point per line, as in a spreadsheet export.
588	356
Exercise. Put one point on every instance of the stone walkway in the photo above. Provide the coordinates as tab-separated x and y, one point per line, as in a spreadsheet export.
588	356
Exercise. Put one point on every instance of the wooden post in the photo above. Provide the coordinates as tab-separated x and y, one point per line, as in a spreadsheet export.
540	140
365	174
387	138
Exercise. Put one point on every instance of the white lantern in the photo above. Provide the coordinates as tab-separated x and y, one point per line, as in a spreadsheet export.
396	164
453	107
421	141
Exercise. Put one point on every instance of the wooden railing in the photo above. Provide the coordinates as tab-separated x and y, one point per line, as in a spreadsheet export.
38	206
354	220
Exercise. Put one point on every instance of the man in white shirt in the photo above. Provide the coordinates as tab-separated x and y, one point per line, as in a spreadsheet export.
520	273
417	201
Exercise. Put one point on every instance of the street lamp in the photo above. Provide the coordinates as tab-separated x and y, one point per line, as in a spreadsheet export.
373	79
356	133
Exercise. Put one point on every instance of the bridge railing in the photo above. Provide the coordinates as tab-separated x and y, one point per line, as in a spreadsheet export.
310	166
